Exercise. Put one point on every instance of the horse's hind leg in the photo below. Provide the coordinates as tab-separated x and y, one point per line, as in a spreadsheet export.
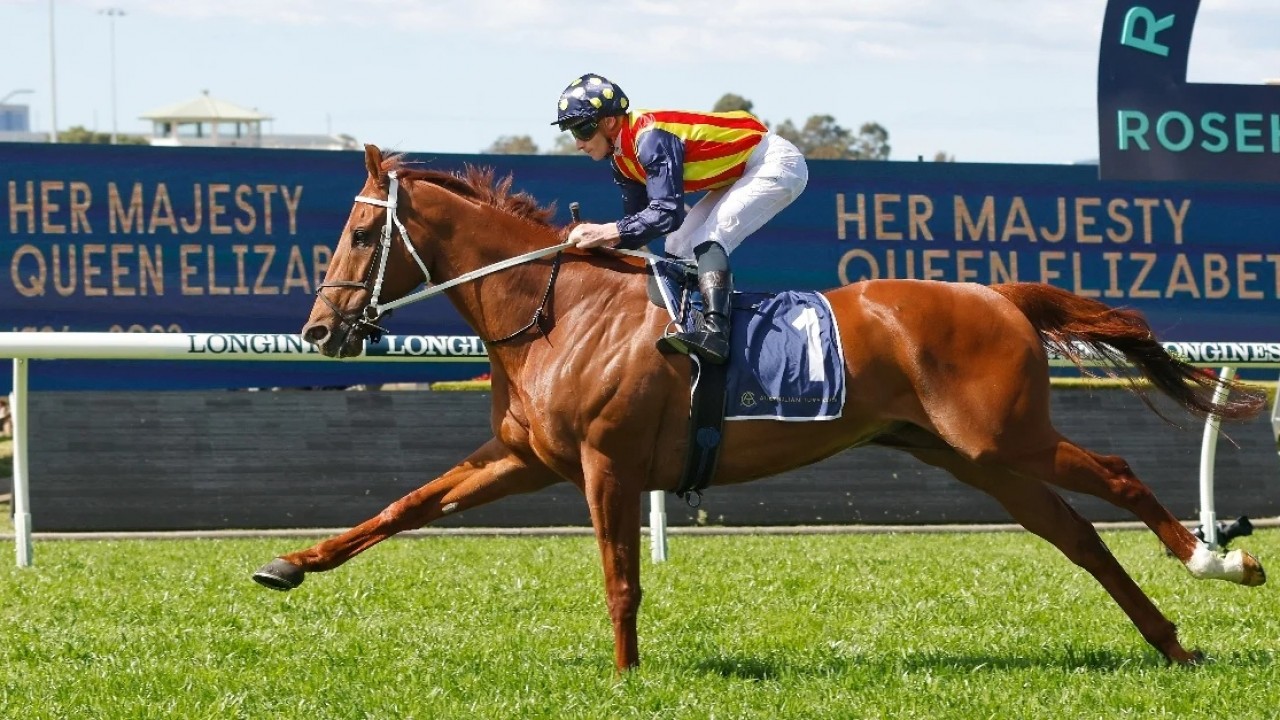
1110	478
1008	426
1042	511
490	473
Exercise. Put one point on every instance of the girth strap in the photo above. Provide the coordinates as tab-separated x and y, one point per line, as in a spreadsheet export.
706	429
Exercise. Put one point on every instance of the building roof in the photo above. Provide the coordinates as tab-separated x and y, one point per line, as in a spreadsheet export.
205	108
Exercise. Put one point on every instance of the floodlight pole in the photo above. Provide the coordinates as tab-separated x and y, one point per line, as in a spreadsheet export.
53	82
112	14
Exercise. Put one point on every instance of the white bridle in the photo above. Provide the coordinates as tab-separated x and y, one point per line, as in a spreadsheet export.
393	223
375	309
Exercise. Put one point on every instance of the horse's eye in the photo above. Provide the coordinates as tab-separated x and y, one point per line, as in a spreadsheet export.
359	237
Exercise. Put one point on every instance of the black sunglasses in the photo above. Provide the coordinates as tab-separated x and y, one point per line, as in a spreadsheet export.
585	131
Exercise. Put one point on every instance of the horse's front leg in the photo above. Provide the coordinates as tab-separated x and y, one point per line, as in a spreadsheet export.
490	473
615	514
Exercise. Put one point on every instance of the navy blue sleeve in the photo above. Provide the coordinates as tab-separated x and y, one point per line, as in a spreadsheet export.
634	197
656	208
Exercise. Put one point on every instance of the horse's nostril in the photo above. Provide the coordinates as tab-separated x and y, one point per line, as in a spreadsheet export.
316	334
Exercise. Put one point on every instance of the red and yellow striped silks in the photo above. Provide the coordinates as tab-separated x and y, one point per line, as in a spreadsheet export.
716	145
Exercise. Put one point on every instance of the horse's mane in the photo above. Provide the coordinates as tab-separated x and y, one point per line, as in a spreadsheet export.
477	183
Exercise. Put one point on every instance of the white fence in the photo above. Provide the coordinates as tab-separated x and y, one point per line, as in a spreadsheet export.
24	347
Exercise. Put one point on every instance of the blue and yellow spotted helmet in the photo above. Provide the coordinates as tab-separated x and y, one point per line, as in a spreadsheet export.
588	98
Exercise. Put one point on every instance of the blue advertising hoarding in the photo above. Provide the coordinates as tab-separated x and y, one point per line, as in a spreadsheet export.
1202	261
101	238
140	239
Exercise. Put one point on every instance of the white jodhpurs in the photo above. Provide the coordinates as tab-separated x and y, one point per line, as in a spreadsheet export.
775	176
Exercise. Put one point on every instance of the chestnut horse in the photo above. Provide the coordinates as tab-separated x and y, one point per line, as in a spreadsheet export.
955	374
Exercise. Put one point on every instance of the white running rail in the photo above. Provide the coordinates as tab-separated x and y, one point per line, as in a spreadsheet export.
24	347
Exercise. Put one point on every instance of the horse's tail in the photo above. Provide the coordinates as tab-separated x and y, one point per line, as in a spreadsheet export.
1123	341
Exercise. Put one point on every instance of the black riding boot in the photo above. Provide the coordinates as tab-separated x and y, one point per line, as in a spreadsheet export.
710	340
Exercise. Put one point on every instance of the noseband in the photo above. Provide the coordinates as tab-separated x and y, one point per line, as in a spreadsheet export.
367	318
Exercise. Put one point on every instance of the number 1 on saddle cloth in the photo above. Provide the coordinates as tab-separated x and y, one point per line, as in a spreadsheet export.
785	359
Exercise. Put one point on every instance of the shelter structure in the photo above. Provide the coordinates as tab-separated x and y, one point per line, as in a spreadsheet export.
206	122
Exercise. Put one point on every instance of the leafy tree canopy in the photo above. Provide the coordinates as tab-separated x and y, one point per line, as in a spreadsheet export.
78	134
820	137
564	145
824	139
512	145
730	102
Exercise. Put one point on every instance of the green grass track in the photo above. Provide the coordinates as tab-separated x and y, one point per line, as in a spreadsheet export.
825	626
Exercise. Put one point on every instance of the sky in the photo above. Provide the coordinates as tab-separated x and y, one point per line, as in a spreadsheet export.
983	80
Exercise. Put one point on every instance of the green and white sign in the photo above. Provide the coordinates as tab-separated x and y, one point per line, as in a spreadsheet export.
1154	125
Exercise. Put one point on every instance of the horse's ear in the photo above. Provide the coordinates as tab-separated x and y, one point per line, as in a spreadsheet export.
373	162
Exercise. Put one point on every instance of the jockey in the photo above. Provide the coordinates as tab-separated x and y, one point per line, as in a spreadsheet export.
749	173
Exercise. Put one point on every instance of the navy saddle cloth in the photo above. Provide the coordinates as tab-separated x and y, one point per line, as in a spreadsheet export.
785	361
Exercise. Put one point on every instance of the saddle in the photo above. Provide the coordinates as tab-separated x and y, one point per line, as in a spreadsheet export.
786	362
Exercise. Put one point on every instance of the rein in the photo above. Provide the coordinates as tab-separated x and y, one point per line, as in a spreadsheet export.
374	310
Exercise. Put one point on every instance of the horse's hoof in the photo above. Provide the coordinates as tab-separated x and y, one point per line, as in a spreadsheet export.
1195	658
279	574
1254	575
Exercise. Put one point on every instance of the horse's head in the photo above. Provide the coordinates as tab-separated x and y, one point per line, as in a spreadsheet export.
371	272
368	269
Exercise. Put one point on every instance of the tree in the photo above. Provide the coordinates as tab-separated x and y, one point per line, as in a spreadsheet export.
730	102
564	145
942	156
872	142
825	139
512	145
821	138
78	134
788	131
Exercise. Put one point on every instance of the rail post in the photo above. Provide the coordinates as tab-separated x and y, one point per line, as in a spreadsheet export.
21	496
